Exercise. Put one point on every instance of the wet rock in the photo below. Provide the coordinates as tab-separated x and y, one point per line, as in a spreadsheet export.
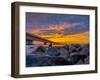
40	49
64	52
61	61
53	51
59	55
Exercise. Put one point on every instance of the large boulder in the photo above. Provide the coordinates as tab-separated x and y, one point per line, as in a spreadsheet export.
53	51
40	51
64	52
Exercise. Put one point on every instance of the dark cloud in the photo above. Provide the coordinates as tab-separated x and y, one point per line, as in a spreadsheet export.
77	29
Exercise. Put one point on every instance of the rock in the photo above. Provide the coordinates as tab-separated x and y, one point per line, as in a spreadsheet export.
53	51
63	52
40	49
74	58
59	55
87	60
61	61
31	61
85	51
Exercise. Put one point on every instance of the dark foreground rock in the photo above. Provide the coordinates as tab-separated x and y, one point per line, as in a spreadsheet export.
54	56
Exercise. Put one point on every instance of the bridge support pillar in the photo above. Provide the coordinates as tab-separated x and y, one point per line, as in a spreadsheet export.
45	43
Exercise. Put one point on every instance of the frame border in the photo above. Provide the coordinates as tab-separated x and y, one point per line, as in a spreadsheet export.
15	38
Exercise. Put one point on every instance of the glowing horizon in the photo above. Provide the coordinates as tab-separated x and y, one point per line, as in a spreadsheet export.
79	38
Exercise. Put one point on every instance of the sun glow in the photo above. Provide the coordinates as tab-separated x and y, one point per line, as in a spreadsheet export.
81	38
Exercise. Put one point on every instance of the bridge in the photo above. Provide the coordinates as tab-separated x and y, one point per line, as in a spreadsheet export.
30	38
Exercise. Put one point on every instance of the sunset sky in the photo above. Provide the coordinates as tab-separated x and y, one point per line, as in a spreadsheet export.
62	28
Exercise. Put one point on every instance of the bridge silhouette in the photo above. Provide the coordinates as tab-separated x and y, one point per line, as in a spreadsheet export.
30	38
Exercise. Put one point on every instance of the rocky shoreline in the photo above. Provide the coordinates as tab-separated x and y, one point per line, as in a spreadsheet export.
72	54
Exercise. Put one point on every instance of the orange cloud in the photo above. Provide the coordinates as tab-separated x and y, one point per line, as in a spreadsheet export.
81	38
57	28
35	31
50	28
